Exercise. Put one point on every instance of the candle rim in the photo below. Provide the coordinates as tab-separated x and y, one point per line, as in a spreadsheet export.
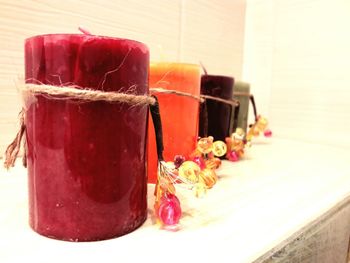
220	76
174	63
88	36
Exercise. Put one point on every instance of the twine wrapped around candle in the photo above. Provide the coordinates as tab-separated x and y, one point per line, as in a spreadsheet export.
233	103
238	93
75	92
200	98
176	92
67	92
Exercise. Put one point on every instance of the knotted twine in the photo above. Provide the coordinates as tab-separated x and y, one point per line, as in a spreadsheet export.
67	92
89	95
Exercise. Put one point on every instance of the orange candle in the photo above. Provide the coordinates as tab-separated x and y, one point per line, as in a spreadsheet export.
179	114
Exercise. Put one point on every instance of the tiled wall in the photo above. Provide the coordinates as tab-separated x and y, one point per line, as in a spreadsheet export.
295	53
297	57
175	30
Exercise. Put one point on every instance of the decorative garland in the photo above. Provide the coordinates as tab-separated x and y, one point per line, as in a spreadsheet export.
238	140
198	172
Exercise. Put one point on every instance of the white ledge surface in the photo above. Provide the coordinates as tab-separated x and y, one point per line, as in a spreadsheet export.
280	187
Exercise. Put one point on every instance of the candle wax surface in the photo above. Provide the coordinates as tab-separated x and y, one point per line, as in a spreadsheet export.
242	120
218	113
86	160
179	114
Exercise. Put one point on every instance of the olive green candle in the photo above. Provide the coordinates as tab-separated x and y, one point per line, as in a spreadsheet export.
241	92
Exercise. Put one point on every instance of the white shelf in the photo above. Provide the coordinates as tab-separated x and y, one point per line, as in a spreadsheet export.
279	192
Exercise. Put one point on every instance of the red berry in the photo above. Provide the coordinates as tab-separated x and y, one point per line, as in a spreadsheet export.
169	211
233	156
267	133
200	161
178	160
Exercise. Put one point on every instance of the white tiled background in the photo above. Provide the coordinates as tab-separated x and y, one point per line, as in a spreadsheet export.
297	57
295	53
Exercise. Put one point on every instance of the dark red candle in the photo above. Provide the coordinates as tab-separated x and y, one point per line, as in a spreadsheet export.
215	119
86	160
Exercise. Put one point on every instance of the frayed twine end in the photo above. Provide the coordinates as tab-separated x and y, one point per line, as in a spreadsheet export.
13	149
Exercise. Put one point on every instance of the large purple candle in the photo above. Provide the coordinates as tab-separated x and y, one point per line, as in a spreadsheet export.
215	116
86	160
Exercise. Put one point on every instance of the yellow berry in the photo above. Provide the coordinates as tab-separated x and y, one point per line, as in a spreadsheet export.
189	171
219	148
205	145
208	176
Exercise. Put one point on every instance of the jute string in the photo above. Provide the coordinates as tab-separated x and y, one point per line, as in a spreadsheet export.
13	149
232	102
176	92
75	92
200	98
238	93
67	92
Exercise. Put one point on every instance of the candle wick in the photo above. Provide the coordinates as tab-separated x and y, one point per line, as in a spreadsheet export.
84	31
204	69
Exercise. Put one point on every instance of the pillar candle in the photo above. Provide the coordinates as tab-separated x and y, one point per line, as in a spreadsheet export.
179	114
217	115
241	93
86	160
